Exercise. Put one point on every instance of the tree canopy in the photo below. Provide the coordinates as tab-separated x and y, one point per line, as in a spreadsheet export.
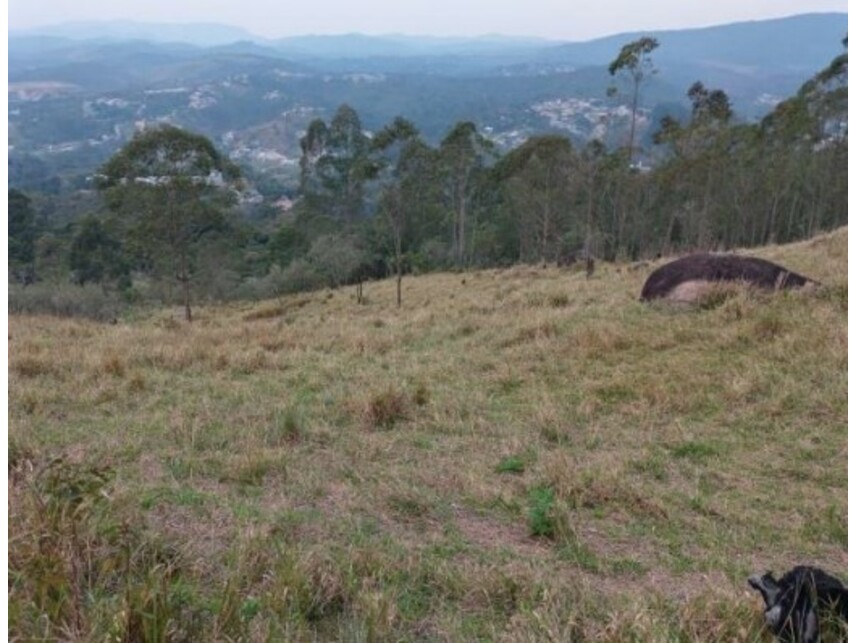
171	188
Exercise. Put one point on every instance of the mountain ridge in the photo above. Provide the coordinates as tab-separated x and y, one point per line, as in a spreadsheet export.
73	102
214	34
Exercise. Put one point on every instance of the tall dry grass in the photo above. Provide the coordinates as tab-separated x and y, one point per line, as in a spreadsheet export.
520	454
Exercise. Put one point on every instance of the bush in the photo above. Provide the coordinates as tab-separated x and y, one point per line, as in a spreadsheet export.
300	276
65	300
335	258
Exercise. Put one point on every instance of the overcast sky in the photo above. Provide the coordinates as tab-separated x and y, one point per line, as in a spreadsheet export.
562	19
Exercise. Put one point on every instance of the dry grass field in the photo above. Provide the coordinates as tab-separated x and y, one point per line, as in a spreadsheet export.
515	455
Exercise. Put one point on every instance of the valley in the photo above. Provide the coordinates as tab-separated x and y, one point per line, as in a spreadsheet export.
74	102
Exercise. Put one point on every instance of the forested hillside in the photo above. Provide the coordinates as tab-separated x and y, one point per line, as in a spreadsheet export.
374	201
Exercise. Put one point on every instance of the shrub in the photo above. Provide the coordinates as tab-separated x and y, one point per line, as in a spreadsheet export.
335	257
65	300
301	276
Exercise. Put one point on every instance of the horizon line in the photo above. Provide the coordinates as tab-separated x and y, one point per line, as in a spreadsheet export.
254	37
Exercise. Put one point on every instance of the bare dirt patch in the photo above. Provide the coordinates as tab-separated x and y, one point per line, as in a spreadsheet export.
488	533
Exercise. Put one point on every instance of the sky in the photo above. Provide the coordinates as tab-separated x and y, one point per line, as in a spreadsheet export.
557	19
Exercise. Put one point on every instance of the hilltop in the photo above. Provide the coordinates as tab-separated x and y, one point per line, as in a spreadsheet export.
516	454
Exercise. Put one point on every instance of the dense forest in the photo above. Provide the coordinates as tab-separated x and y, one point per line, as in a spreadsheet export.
168	219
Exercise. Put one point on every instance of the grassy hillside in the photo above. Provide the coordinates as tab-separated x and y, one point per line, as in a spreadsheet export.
518	455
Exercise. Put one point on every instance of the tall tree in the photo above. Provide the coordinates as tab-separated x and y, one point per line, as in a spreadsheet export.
172	188
335	166
588	183
464	155
313	148
690	180
635	62
538	180
399	160
348	146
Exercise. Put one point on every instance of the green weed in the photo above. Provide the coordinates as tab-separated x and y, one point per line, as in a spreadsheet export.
542	520
511	464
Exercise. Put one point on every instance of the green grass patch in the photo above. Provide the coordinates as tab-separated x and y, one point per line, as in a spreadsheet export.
695	451
511	464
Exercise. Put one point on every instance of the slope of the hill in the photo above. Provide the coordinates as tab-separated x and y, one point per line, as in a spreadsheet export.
518	454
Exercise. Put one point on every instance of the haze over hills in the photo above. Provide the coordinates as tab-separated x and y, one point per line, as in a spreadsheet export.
77	91
792	41
202	34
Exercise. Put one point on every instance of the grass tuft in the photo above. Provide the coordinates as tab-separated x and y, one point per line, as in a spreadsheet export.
287	428
385	409
511	464
31	366
113	365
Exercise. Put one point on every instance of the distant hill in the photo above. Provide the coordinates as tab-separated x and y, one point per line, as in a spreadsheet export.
798	43
196	33
748	60
77	91
357	46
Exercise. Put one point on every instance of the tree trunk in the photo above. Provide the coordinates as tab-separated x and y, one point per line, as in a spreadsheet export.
397	226
462	215
398	272
184	278
590	209
546	215
633	120
187	314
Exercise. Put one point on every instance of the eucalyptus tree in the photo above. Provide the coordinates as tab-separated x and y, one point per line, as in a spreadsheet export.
635	63
335	166
692	180
401	161
590	185
537	180
463	157
171	188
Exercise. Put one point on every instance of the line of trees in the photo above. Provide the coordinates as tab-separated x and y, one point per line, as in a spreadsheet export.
375	204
